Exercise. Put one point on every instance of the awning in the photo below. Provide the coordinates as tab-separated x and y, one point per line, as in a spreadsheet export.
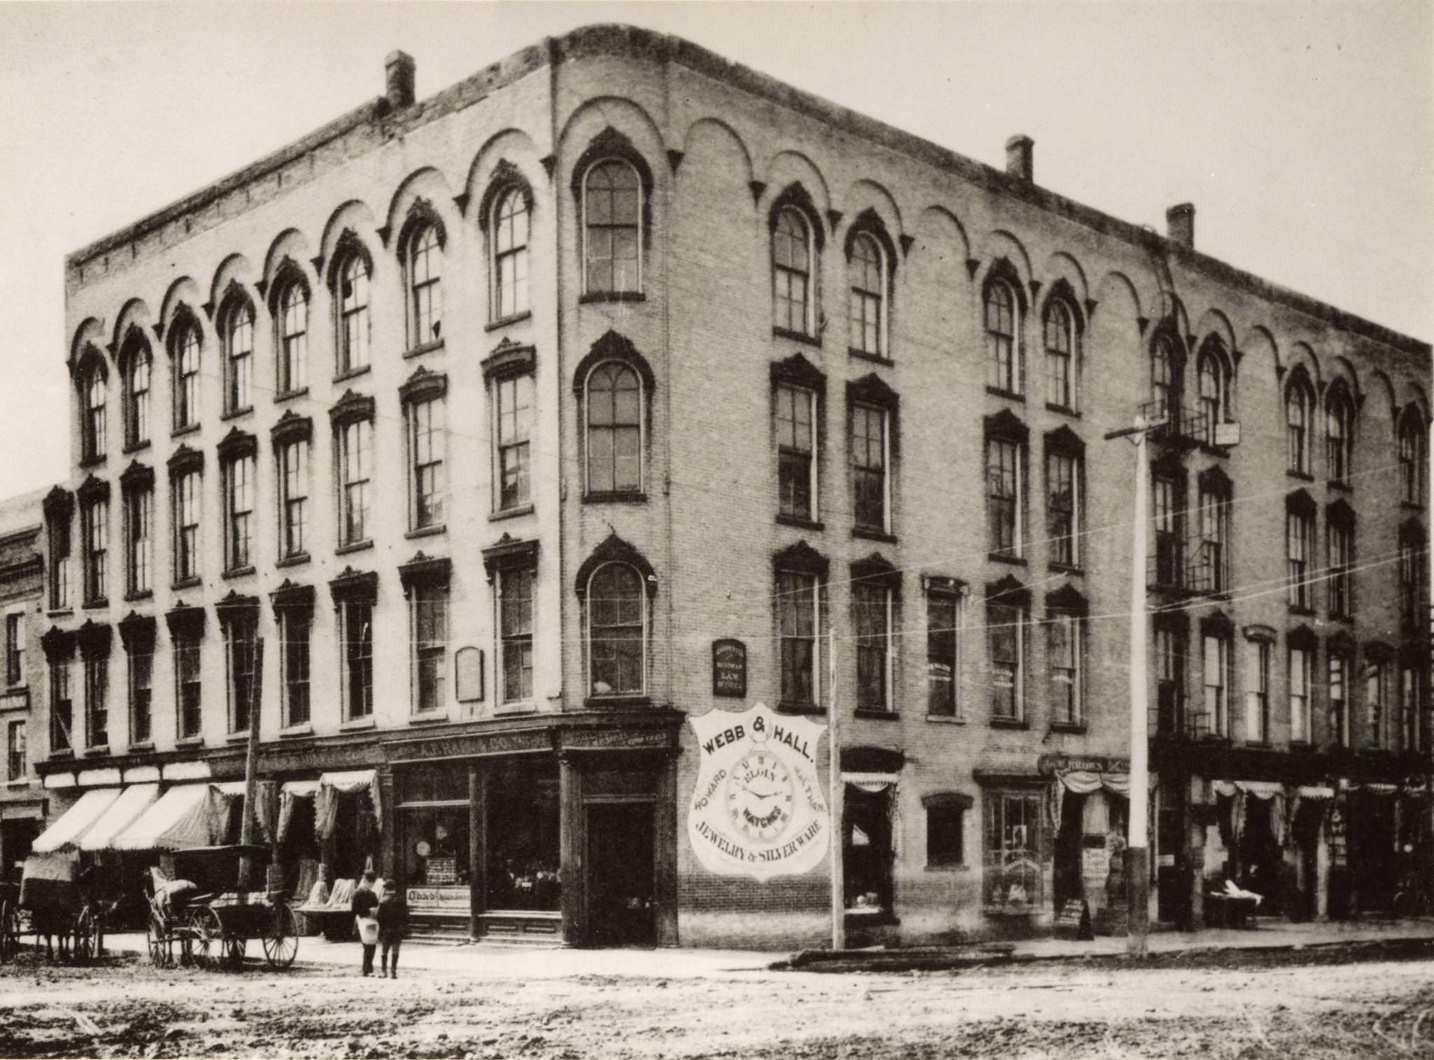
332	785
186	771
75	821
55	781
1260	789
120	815
141	775
300	789
98	778
871	783
1314	791
191	815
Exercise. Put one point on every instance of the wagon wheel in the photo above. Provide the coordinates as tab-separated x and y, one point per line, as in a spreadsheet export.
85	935
157	937
208	933
281	938
234	949
9	932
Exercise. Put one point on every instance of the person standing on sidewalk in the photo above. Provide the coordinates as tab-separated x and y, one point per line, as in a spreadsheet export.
363	906
392	923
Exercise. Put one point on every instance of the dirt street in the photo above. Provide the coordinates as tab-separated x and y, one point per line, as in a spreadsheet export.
1226	1005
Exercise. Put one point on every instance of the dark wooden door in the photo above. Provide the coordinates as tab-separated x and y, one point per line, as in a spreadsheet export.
619	877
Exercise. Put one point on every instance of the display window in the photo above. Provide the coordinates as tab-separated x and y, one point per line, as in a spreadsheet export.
523	852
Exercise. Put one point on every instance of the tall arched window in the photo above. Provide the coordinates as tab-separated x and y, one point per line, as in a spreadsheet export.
612	228
424	265
1165	377
1003	354
1413	457
866	304
792	302
293	336
137	365
510	254
614	429
1062	337
617	631
1214	382
352	296
1338	433
94	384
184	354
1299	400
237	331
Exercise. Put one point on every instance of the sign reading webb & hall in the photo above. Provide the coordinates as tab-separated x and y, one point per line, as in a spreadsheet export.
757	808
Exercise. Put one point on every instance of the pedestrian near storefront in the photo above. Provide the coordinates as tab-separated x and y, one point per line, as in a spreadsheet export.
392	917
365	902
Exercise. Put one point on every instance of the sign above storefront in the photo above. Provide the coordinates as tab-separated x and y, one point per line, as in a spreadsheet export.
757	808
729	668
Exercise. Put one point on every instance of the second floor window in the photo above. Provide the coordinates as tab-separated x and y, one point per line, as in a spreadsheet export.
1170	647
137	372
294	497
139	527
429	605
796	452
1411	703
293	337
17	763
141	674
97	709
612	228
513	397
1004	490
188	687
1166	509
1003	355
1301	670
95	517
943	612
1063	508
1412	578
186	376
1376	699
510	255
617	631
1214	564
294	629
427	443
15	649
1061	336
356	638
1340	539
870	444
1257	691
238	512
93	394
614	429
62	706
874	607
1006	642
238	332
1215	712
355	472
1339	670
1065	661
425	286
241	664
60	556
866	305
792	273
515	635
186	526
1299	539
799	634
353	316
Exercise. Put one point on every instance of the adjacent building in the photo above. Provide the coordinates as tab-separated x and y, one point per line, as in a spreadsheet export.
454	437
22	717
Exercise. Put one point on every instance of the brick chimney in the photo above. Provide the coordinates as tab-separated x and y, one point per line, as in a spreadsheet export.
1021	157
1180	224
399	68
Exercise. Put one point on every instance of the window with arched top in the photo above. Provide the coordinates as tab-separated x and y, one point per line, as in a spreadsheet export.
184	356
792	257
617	631
1062	340
423	264
94	386
866	305
1338	433
1166	376
351	295
293	336
1002	318
1213	378
1299	403
1413	457
511	222
137	368
236	331
614	429
612	228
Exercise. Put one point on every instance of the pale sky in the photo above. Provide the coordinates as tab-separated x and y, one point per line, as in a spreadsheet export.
1304	133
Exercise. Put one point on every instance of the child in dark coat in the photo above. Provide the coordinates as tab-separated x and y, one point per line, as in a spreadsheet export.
392	922
363	907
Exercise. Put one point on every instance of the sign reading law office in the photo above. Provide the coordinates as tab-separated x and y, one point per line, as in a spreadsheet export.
757	808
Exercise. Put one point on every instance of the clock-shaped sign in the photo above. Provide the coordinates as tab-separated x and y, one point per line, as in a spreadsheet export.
760	790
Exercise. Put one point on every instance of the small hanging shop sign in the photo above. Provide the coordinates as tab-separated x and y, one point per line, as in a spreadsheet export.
757	808
729	668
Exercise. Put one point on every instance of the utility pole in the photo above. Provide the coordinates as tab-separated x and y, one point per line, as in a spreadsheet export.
251	781
1137	853
836	791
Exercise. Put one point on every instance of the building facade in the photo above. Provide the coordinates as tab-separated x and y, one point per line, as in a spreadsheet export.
22	718
452	438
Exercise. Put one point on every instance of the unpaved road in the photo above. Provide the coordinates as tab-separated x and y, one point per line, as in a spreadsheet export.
1223	1006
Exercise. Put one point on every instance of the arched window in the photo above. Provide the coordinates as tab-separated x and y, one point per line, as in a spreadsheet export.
866	307
510	254
184	353
614	429
293	337
1214	382
1062	337
1165	377
424	265
617	631
137	365
612	228
93	387
792	302
1299	400
1413	457
237	330
353	317
1003	355
1338	433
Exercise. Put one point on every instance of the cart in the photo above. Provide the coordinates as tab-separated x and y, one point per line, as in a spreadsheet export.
206	926
53	902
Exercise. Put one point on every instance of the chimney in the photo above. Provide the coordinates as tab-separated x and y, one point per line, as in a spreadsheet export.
1020	157
1180	225
399	68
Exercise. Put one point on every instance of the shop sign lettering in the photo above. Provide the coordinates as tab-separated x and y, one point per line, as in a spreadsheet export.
439	899
757	808
729	668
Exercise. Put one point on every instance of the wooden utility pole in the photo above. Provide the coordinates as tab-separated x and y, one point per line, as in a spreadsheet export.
251	781
836	791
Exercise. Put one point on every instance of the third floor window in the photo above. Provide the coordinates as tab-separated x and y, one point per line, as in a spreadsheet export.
792	256
612	228
293	337
352	295
867	299
614	429
186	375
238	334
425	286
510	255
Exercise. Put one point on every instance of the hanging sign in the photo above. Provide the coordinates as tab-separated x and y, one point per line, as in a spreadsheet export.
757	808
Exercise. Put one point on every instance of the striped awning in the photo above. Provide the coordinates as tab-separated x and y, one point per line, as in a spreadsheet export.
75	821
121	814
187	816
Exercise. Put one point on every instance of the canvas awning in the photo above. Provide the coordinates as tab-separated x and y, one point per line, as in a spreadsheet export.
123	812
75	821
190	815
332	785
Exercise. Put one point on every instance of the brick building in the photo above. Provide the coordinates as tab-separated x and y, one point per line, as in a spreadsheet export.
488	414
22	799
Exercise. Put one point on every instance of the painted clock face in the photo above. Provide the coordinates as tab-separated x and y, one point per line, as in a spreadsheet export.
759	796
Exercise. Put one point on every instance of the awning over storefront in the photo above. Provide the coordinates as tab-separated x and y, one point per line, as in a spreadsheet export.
191	815
98	778
1314	791
121	814
332	786
56	781
186	771
75	821
871	783
141	775
291	792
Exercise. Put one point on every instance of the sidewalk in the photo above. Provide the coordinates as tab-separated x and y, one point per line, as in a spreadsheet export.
496	961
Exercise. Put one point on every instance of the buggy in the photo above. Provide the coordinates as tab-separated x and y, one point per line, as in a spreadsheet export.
54	902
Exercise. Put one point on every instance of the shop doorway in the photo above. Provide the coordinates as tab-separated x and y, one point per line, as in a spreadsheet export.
15	838
867	850
1068	851
1307	825
1260	859
619	878
1375	866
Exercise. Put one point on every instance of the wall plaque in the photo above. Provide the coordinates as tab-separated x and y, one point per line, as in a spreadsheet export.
468	671
729	668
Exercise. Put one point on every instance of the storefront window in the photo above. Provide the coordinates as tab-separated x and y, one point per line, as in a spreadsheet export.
522	810
435	850
1012	851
